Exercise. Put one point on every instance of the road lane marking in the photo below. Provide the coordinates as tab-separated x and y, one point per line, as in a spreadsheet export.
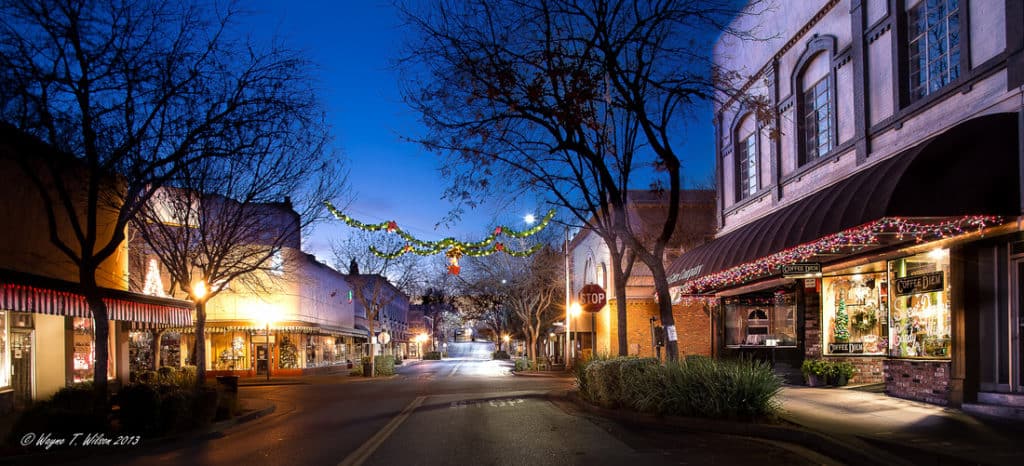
363	453
455	369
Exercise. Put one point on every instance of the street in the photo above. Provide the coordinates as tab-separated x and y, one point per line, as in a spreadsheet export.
455	411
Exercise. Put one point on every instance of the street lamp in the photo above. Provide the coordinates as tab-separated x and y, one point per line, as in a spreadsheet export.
574	311
506	338
268	318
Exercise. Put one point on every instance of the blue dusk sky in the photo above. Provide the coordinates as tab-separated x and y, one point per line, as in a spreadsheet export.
354	44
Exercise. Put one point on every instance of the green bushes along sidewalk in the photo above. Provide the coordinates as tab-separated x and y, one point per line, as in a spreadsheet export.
698	386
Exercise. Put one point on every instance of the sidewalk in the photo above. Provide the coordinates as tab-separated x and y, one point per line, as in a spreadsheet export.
918	432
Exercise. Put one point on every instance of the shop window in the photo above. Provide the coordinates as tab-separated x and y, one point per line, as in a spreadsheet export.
919	322
289	358
140	351
229	351
855	314
761	319
170	350
311	344
933	48
5	361
84	350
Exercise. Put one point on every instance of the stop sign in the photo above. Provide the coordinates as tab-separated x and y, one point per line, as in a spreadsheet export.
592	298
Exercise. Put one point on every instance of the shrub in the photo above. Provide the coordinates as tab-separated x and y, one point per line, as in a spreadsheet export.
139	408
643	383
70	410
522	364
432	355
501	354
357	370
204	405
579	372
175	409
384	365
721	388
845	369
186	377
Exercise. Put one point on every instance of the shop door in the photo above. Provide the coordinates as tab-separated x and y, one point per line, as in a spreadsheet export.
262	359
21	367
1017	326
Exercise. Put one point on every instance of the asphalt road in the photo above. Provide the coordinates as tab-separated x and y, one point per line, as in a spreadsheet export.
451	412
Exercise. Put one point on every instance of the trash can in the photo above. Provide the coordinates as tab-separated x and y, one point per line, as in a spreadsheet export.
228	382
367	369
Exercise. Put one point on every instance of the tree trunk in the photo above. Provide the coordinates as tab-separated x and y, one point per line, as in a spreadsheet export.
665	310
618	277
200	351
101	330
373	352
158	334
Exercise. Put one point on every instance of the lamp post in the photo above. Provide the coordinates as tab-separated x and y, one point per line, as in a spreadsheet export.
506	338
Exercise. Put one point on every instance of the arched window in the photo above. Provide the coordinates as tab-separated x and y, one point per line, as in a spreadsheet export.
814	88
747	157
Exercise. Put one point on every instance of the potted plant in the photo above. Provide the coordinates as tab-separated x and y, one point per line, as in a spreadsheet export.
842	372
814	371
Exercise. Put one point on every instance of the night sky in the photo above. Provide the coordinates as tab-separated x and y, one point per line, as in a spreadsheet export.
354	44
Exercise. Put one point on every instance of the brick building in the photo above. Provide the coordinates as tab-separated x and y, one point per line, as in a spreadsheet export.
871	213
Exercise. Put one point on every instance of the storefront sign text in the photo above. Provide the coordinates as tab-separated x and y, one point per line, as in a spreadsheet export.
920	284
840	348
801	269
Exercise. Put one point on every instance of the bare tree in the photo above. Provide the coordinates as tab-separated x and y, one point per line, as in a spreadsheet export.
237	222
483	297
570	97
135	91
375	280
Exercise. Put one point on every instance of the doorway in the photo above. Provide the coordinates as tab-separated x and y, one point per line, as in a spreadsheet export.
262	358
1017	327
21	367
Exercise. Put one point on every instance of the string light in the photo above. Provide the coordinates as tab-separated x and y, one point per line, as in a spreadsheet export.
855	239
453	248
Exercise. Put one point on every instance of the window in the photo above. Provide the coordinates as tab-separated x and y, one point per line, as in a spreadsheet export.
855	314
919	324
817	120
746	157
5	363
277	263
84	350
933	55
761	319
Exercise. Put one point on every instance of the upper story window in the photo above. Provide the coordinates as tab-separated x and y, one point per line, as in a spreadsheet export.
746	157
933	30
817	115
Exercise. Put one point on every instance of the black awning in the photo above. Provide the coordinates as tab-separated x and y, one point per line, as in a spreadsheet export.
971	169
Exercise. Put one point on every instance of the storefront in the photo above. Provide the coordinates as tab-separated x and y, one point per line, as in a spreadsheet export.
908	270
47	335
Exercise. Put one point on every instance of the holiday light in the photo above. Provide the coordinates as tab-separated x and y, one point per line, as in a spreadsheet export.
854	239
454	249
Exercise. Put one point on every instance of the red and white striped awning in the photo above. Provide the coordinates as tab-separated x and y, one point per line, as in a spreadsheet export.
23	298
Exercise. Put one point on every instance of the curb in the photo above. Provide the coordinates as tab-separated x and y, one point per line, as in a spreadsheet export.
851	450
549	374
272	383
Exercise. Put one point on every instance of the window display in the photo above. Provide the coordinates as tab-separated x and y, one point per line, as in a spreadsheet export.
919	323
84	350
289	354
5	362
854	309
761	319
229	350
170	349
140	351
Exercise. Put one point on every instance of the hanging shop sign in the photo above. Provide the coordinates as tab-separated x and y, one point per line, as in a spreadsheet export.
592	298
915	284
801	269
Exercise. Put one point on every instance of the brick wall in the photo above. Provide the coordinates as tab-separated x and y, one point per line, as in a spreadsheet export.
693	327
926	381
869	370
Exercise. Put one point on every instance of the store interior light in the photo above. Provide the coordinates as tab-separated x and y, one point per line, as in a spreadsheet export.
938	254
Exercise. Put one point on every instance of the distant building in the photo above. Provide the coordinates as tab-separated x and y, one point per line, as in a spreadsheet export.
392	318
872	214
590	264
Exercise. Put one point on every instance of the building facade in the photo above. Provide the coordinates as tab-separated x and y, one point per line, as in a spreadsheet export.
392	317
869	177
47	333
590	263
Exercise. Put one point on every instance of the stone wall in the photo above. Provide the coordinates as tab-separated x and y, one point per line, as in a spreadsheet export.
926	381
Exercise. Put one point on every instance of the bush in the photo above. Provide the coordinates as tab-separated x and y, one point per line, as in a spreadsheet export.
501	354
139	408
522	364
606	382
357	370
643	383
204	405
721	388
70	410
432	355
845	369
579	372
384	365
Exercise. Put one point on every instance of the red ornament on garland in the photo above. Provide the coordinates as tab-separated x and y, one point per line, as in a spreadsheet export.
453	269
497	231
499	247
408	248
392	226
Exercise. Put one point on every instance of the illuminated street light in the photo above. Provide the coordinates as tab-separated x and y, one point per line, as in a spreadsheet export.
199	290
529	219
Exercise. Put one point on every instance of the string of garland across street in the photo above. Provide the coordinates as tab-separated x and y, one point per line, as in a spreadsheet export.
452	248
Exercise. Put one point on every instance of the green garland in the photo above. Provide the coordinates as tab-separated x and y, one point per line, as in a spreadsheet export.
485	247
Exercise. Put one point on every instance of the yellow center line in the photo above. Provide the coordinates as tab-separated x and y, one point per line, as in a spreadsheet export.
363	453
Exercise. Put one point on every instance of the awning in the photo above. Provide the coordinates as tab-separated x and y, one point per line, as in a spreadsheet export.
121	305
969	170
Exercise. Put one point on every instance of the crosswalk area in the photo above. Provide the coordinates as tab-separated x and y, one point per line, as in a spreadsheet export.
497	403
